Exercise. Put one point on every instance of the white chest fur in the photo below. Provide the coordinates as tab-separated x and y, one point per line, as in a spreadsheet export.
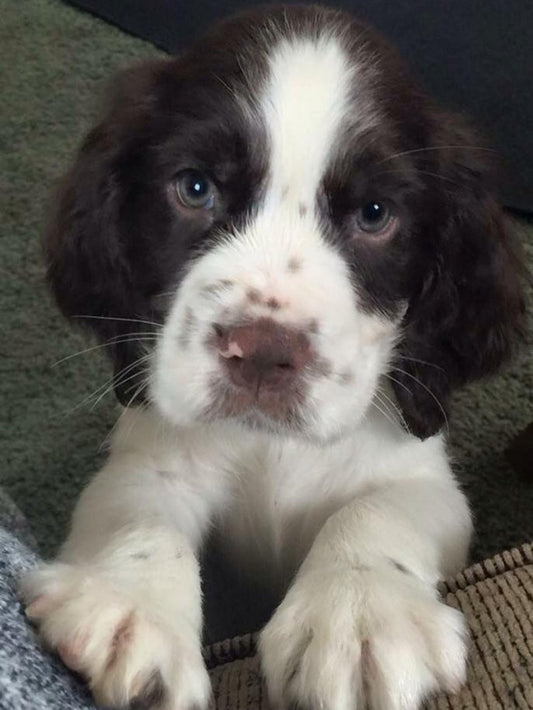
268	496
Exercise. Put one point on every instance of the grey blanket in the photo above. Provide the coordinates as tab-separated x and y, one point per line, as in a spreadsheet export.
30	677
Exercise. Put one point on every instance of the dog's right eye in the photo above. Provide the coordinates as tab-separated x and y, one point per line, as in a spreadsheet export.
194	190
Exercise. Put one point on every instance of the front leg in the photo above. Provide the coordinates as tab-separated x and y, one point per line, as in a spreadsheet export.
122	605
361	625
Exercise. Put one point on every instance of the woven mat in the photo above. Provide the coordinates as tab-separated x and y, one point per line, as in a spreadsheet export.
496	597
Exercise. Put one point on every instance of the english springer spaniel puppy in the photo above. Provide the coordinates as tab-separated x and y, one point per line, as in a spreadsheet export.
294	257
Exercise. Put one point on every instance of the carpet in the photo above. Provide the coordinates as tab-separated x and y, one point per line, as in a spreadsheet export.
495	597
54	60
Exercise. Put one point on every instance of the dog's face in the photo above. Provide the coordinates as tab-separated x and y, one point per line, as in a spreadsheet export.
298	220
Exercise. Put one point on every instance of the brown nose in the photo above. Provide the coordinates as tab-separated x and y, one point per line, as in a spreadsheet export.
262	353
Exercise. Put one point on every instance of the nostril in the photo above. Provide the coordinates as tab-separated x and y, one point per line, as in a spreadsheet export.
262	352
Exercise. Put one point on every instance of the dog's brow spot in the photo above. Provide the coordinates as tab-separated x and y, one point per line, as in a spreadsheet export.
313	326
140	555
294	265
302	209
274	304
254	296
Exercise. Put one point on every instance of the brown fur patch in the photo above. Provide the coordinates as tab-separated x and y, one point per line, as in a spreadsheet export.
294	265
253	295
274	304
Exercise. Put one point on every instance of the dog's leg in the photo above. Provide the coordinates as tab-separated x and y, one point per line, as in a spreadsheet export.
122	605
362	626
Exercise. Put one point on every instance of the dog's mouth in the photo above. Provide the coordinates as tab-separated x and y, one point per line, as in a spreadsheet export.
265	404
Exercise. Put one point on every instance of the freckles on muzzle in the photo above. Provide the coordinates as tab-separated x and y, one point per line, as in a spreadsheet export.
264	367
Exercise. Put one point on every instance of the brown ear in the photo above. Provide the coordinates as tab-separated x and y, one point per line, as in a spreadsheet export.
88	266
469	313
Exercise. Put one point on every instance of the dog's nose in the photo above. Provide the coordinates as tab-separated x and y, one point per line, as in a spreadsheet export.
262	353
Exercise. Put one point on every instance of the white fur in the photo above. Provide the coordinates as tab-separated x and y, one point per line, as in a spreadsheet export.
370	516
308	79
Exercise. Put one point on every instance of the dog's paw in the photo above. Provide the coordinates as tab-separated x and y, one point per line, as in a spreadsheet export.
128	655
353	639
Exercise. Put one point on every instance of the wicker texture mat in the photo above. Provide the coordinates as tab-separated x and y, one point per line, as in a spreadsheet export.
496	597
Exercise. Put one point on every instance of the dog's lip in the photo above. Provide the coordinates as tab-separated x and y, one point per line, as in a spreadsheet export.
231	400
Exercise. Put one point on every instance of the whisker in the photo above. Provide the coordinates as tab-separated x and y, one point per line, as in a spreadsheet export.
435	147
393	379
142	405
419	172
419	382
139	389
111	387
395	408
131	338
384	413
165	294
422	362
109	384
122	320
116	381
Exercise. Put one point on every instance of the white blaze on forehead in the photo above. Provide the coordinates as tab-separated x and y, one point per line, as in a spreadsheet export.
304	104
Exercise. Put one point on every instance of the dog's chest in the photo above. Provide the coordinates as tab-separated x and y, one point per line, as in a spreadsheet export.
282	493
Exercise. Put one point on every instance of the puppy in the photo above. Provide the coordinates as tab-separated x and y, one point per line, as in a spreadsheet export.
294	257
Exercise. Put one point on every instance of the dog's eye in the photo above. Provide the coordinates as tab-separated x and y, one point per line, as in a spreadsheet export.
373	217
194	189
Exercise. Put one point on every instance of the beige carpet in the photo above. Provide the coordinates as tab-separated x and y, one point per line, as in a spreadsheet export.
496	596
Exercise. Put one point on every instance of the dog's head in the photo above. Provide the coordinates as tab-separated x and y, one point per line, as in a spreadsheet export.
276	219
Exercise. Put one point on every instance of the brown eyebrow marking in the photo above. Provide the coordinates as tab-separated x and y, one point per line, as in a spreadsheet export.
302	209
273	303
254	296
294	265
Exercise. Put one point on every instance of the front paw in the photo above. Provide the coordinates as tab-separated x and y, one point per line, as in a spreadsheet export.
350	639
128	655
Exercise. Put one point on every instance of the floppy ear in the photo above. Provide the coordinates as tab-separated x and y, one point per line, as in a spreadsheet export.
468	312
86	249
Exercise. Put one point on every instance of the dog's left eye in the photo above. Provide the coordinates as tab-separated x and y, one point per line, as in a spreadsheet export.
194	189
373	217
